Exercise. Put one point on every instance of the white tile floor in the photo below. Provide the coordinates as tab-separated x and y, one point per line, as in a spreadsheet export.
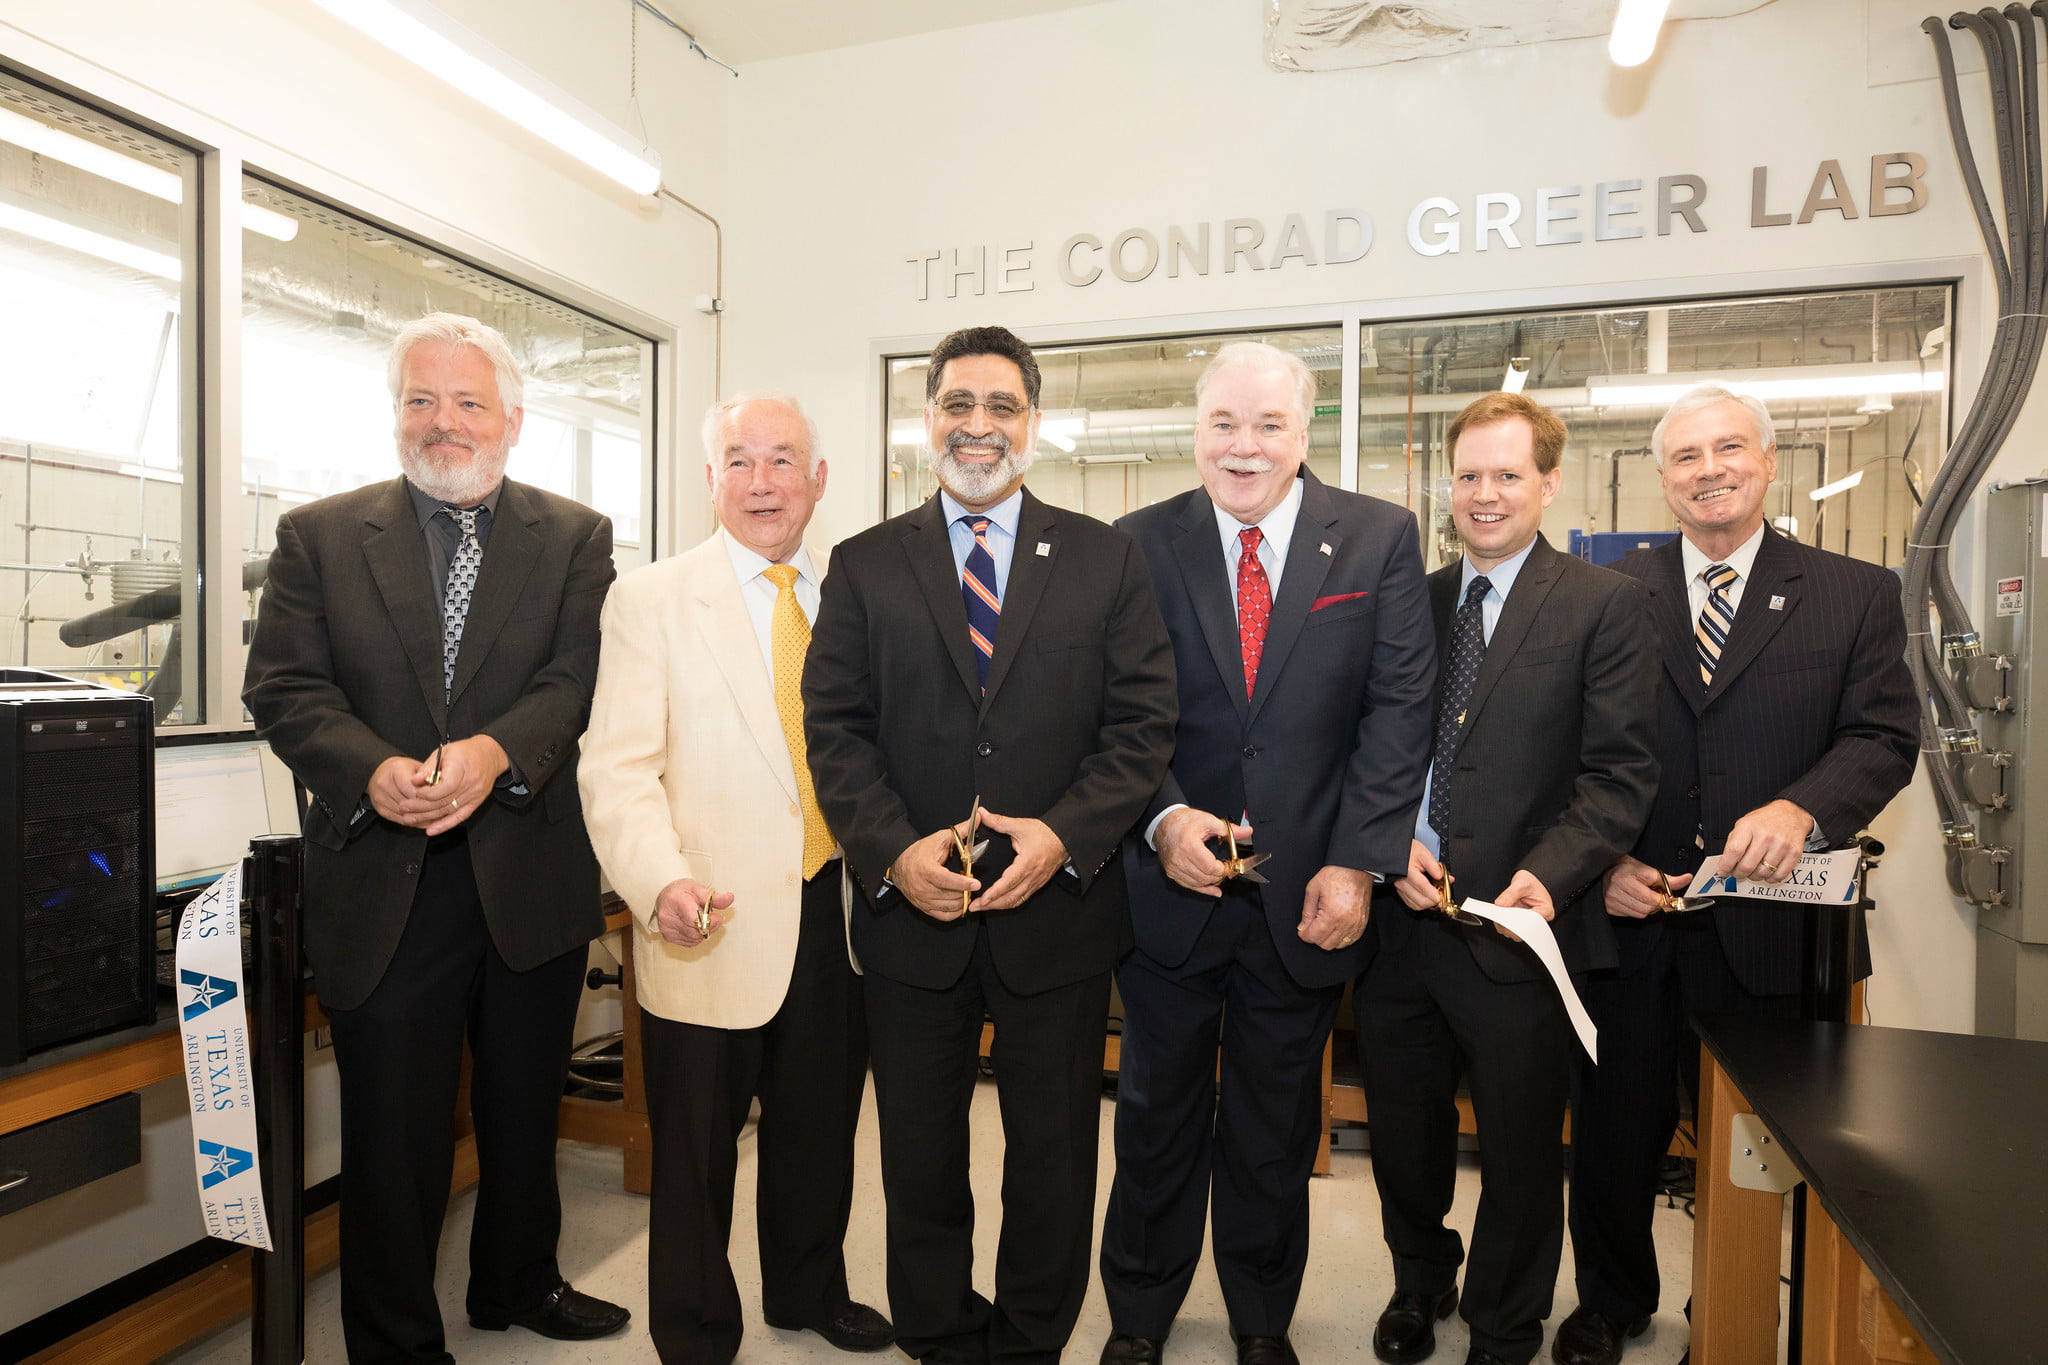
604	1252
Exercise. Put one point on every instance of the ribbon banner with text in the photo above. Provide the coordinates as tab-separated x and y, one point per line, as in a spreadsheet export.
219	1080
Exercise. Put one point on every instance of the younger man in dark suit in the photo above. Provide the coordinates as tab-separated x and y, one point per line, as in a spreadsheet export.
987	647
1542	769
423	662
1304	654
1785	721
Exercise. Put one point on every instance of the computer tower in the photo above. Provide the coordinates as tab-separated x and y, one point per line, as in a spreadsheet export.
77	861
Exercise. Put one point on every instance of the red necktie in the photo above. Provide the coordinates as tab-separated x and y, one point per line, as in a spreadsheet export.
1254	605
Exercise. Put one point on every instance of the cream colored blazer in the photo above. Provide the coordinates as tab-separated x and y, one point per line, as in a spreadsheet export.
685	773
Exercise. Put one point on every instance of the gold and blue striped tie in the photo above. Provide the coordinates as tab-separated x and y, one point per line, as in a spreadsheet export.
1717	618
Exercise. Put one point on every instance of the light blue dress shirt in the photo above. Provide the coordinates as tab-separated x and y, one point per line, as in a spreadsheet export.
1001	535
1501	579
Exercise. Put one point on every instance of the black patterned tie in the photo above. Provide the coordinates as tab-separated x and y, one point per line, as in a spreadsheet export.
455	597
1468	649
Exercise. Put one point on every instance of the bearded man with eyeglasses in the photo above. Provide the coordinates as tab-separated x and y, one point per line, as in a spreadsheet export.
986	667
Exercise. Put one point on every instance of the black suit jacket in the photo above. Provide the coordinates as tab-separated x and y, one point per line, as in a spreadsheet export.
1075	730
345	672
1327	757
1555	768
1811	702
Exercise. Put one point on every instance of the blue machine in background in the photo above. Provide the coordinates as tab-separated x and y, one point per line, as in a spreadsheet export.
1605	547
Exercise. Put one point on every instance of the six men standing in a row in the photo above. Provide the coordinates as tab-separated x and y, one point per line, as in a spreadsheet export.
1000	751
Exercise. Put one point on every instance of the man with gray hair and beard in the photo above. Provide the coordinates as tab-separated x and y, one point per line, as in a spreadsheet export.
423	662
987	667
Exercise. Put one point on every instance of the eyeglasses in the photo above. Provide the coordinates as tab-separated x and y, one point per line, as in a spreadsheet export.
998	409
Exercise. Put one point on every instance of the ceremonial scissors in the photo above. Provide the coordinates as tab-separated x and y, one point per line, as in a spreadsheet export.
1450	909
1241	864
969	848
1671	902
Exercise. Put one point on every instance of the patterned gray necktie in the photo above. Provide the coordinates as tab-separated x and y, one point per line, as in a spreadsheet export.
455	597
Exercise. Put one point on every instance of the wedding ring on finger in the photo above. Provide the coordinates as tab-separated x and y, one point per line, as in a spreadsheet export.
1771	868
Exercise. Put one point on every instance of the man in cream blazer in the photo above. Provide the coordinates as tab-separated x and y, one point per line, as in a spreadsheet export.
698	797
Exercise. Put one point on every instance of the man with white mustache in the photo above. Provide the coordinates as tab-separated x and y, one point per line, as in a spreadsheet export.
1785	721
1303	651
985	657
423	662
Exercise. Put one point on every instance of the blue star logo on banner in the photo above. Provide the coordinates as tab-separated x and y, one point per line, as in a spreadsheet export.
228	1162
207	991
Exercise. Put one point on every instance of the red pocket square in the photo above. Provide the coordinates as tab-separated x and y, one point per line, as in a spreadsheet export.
1322	602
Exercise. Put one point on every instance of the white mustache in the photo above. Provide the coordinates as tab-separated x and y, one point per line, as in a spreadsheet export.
1238	464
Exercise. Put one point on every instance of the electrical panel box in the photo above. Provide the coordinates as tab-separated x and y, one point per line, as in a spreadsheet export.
2009	695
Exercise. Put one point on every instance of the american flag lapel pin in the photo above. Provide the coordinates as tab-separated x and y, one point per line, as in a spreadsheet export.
1777	604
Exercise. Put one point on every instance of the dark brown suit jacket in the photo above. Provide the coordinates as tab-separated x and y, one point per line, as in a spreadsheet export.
345	672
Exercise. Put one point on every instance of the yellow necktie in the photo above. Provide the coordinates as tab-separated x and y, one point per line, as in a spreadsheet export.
791	632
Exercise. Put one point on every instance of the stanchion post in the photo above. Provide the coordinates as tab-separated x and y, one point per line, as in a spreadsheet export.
277	1333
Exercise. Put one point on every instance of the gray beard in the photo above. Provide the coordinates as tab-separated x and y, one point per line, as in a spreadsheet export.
458	482
978	483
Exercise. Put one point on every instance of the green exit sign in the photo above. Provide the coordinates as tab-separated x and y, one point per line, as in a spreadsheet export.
1328	409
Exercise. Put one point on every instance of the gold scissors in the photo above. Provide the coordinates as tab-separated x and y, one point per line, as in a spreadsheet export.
1241	864
1450	909
704	912
1671	902
969	848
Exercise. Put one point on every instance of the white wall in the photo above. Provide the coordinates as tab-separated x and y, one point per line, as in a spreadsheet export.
297	94
1149	113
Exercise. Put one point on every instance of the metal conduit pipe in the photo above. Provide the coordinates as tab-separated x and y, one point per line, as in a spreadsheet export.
2018	255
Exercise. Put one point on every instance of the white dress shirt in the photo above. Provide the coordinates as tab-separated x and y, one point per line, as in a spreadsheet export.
1696	563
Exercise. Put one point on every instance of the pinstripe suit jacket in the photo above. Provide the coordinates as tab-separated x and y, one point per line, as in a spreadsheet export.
1811	702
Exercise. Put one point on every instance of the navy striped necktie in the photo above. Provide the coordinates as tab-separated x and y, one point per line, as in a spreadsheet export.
1717	618
978	591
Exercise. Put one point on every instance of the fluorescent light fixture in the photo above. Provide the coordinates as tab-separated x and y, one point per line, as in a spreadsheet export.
72	237
1828	490
1636	23
1112	459
907	434
1062	427
438	45
1517	375
1812	381
122	169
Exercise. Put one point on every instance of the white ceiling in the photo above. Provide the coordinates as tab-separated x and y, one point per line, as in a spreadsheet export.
741	31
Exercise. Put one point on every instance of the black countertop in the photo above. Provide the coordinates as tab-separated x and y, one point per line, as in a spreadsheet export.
1930	1153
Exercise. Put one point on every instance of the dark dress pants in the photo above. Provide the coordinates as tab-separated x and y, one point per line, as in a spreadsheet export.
1240	1153
1047	1059
1426	1013
807	1065
400	1059
1625	1109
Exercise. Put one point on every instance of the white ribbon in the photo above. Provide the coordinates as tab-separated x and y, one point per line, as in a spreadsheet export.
1534	930
219	1071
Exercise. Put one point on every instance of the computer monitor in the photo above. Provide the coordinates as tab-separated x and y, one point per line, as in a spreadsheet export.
213	796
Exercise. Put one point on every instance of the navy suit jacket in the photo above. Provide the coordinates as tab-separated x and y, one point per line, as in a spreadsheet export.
1811	701
1328	754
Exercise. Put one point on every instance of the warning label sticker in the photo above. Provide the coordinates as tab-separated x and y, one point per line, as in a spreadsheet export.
2011	596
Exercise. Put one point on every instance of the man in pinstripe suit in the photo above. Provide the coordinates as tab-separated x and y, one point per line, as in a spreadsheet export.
1786	720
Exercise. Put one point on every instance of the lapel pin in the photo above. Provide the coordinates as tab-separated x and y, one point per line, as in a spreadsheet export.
1044	548
1324	547
1777	604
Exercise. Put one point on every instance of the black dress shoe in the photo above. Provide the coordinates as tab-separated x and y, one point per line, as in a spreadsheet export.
1265	1351
1128	1350
851	1327
1589	1337
564	1314
1406	1331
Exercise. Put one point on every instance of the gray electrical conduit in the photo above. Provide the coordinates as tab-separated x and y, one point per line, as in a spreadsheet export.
2021	274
